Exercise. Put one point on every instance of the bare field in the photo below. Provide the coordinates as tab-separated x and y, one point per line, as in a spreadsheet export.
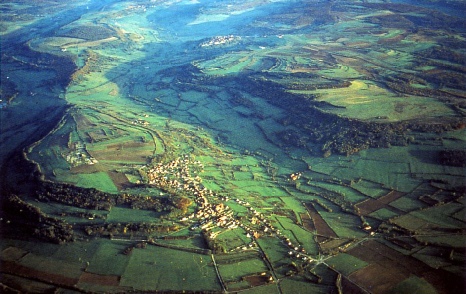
23	271
370	205
322	228
119	179
104	280
388	267
377	278
121	156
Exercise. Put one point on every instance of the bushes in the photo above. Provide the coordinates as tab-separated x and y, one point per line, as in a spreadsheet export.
129	228
453	157
38	223
80	197
91	198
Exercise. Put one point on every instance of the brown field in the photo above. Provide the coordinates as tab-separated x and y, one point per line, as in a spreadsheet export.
61	141
349	287
256	280
82	121
308	224
444	281
13	254
127	145
330	245
411	222
321	226
357	44
402	243
24	285
13	268
96	136
394	39
119	179
375	252
90	43
87	168
378	278
388	267
126	156
370	205
104	280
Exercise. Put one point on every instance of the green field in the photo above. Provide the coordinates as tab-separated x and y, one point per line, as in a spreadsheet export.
235	271
265	146
346	264
161	268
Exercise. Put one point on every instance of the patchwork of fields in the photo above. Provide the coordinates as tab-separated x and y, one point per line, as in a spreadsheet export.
261	147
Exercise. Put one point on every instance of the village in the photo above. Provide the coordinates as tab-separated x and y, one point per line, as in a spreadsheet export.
212	215
79	155
233	146
220	40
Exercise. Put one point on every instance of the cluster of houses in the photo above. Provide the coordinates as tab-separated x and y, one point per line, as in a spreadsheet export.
258	219
181	175
297	251
258	226
214	217
79	155
178	174
295	176
255	226
220	40
140	122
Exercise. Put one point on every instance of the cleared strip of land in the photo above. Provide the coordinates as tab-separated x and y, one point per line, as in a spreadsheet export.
370	205
320	224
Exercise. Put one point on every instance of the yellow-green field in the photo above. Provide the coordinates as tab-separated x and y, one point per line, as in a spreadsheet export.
253	147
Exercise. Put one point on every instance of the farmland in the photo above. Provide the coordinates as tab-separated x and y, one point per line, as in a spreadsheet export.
225	148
